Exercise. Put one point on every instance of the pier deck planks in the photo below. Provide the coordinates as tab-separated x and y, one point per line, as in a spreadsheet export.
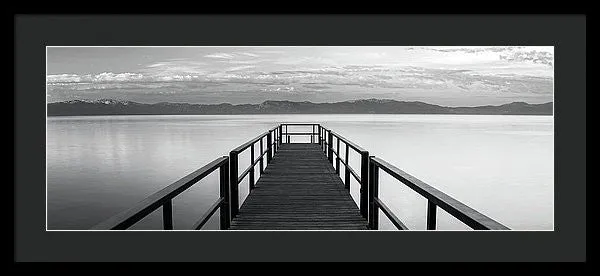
299	190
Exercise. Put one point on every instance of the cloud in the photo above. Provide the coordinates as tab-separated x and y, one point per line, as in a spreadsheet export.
175	67
529	56
112	77
156	65
437	72
249	54
220	56
63	78
476	49
176	78
109	78
468	50
238	68
279	89
97	78
331	78
232	61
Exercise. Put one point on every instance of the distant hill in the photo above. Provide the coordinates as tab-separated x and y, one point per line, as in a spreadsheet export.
367	106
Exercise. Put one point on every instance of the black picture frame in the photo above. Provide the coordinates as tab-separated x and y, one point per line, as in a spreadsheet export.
566	32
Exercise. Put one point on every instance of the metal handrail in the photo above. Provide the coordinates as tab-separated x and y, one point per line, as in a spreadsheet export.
287	134
164	198
235	179
435	197
327	142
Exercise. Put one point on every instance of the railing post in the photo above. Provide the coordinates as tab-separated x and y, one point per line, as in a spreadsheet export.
337	158
252	169
324	140
261	170
347	173
273	138
431	210
312	134
364	172
269	148
233	183
224	193
330	147
320	137
373	193
168	215
280	134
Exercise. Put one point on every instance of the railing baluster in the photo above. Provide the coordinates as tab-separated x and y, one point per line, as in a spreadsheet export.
325	141
330	147
337	158
279	133
347	174
233	182
224	193
261	170
317	133
373	193
269	148
364	172
168	215
251	178
273	138
320	137
431	212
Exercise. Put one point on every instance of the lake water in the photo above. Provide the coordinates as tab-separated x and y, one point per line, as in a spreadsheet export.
502	166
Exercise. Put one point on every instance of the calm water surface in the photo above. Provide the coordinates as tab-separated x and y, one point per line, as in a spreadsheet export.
500	165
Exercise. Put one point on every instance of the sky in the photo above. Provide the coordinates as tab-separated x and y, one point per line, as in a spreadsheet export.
443	75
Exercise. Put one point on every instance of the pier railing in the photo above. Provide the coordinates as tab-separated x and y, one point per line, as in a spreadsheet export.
284	132
272	137
327	138
269	143
434	197
164	199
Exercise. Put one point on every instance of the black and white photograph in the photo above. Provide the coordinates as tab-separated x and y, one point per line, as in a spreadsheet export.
300	138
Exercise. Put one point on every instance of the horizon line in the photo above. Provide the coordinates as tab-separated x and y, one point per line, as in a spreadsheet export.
306	101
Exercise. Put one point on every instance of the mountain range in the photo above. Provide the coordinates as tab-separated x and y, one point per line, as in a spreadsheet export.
364	106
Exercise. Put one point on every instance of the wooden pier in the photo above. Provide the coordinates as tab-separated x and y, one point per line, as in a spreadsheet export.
300	186
299	190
